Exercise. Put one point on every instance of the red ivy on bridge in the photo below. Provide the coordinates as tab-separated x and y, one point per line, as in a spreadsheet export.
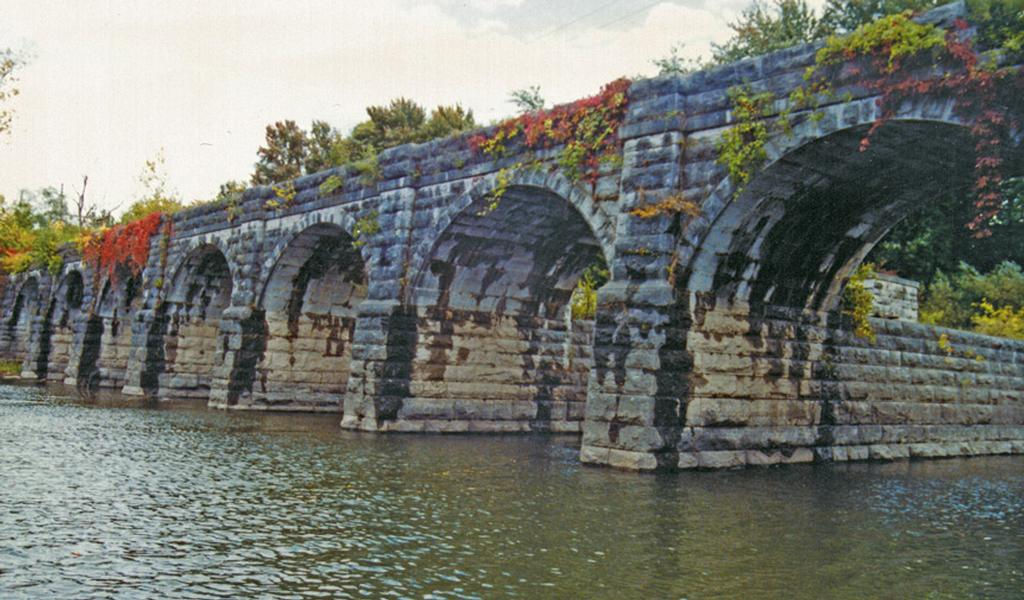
122	245
986	97
587	129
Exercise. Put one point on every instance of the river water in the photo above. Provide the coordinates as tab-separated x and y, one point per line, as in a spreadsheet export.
114	500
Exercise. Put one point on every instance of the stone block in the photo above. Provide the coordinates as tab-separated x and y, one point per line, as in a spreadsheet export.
631	460
721	460
888	451
594	455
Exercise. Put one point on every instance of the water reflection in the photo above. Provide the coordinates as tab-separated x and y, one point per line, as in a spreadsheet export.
114	500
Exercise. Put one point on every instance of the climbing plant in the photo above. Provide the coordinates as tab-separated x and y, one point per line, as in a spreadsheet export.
858	302
742	147
901	59
365	226
583	302
125	245
586	130
897	59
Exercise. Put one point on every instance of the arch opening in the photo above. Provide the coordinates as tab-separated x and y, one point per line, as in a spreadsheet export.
801	228
495	345
107	341
769	343
19	325
57	337
310	303
183	354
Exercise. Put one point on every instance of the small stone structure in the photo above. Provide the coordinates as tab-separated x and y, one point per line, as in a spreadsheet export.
894	297
718	341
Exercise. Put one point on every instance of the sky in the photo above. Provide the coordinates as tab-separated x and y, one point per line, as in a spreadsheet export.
110	84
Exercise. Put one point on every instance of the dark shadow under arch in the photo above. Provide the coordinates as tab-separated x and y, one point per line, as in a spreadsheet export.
804	224
107	340
494	346
309	305
182	351
19	325
58	331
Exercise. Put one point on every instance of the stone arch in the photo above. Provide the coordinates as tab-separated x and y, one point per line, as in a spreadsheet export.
754	247
19	324
492	345
543	182
336	218
107	340
183	346
57	336
193	248
309	302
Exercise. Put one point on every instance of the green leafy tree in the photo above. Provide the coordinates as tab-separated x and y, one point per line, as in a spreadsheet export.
934	239
397	123
445	121
527	99
955	300
33	229
327	147
230	189
765	27
842	16
676	64
1000	24
284	155
290	151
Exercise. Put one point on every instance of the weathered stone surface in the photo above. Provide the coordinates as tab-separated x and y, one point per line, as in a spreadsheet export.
436	298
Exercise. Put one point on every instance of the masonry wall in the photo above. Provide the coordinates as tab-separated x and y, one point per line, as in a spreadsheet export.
431	293
777	388
894	297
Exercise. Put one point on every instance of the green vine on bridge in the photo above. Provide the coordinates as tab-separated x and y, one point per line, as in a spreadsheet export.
742	147
859	302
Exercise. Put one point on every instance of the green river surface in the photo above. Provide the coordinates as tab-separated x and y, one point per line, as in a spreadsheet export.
117	500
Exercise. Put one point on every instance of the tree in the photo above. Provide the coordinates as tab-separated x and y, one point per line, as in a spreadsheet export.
291	152
157	197
527	99
933	239
445	121
9	63
326	147
284	154
89	216
397	123
33	229
843	16
763	28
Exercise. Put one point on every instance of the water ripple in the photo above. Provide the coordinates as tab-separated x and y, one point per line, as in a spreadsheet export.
118	501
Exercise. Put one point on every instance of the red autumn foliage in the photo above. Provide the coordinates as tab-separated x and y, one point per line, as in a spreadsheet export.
590	124
122	245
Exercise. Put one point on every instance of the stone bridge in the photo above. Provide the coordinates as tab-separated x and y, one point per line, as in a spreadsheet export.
411	303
